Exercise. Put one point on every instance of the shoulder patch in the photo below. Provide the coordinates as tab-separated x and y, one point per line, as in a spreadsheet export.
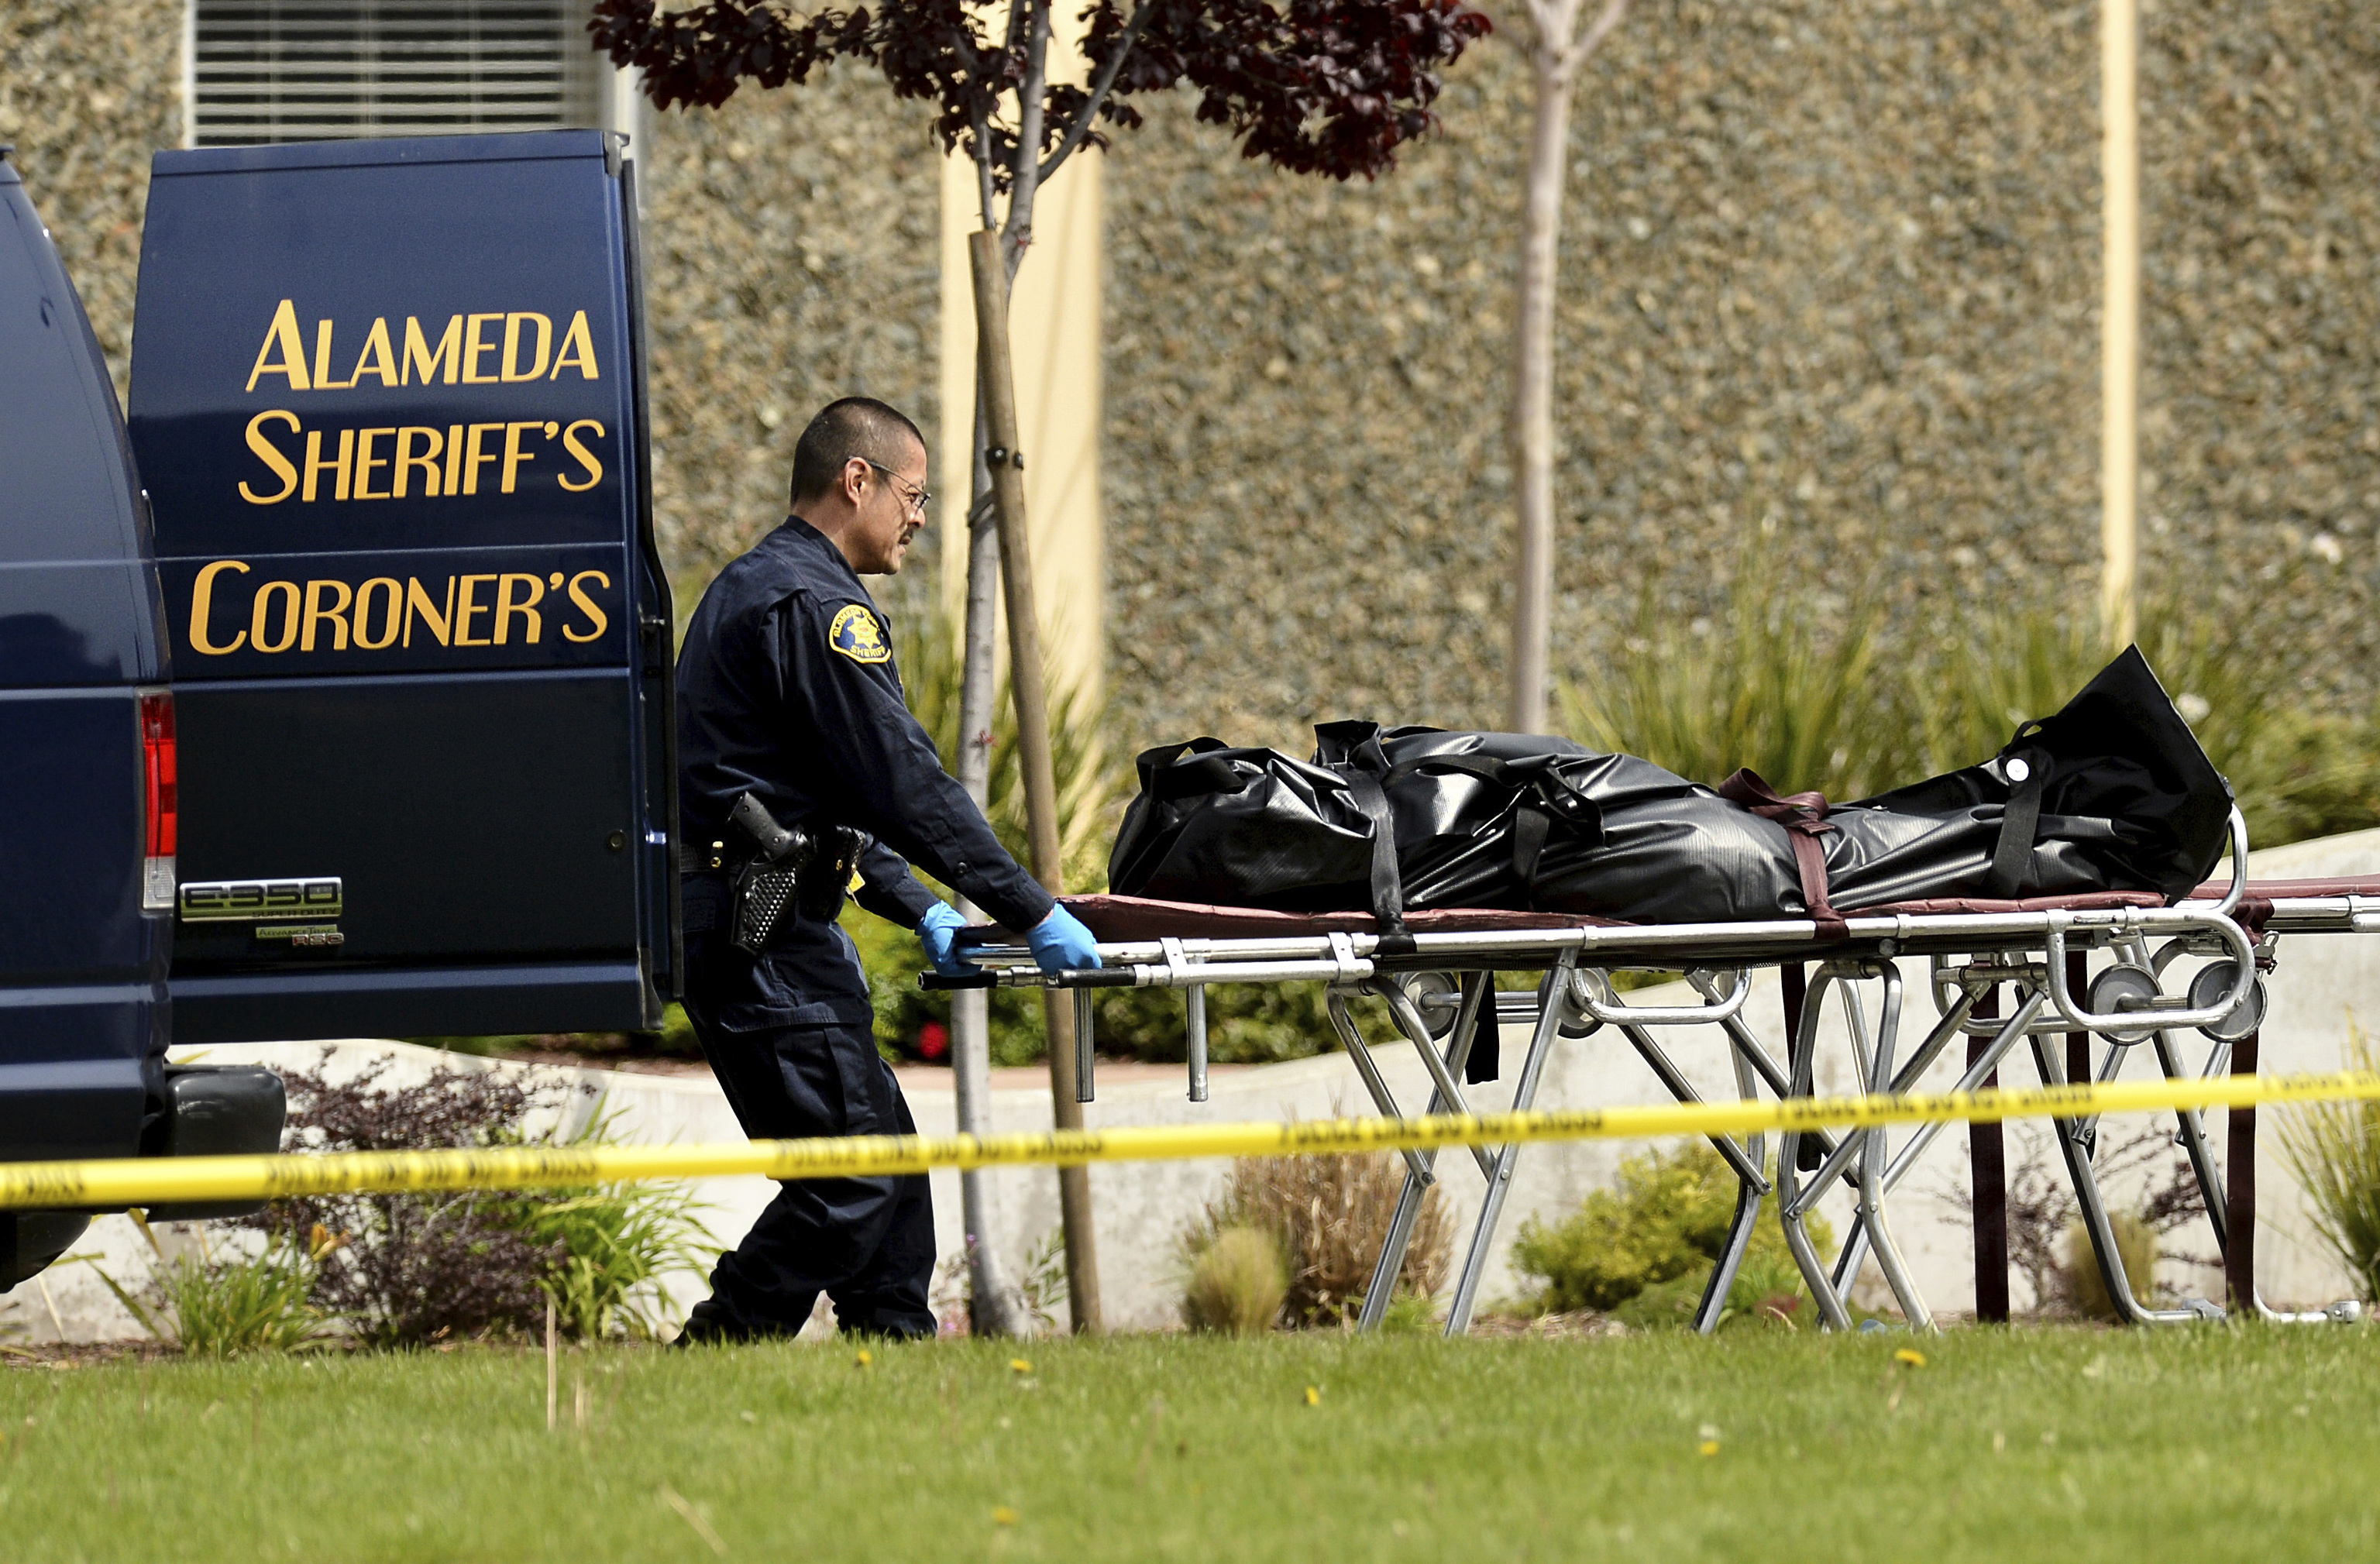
855	633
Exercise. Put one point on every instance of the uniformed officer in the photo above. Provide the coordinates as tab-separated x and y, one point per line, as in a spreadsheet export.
787	690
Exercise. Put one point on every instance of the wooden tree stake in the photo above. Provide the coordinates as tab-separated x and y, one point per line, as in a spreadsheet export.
1024	678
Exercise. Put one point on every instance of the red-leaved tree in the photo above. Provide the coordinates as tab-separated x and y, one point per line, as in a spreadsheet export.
1327	87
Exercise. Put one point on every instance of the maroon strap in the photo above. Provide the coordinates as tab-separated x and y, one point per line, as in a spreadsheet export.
2240	1190
1804	815
1987	1160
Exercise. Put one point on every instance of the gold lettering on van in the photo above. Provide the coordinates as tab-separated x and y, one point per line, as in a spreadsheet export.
203	601
282	337
418	356
329	616
270	454
467	348
410	461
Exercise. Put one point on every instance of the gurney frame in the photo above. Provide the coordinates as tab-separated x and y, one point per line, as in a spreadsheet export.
1434	985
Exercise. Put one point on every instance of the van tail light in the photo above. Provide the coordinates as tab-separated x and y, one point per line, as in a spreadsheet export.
163	829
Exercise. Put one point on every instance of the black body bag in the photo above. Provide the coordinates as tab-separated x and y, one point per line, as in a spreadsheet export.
2113	793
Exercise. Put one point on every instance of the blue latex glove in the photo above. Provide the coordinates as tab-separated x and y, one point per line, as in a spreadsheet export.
1061	943
937	931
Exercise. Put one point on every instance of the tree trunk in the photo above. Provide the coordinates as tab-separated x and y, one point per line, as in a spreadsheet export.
1532	396
1554	61
998	394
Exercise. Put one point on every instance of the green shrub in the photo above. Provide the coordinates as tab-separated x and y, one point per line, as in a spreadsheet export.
2333	1148
1665	1306
1665	1224
1247	1024
1237	1283
894	960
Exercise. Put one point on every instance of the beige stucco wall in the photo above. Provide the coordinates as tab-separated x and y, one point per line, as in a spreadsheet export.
1055	336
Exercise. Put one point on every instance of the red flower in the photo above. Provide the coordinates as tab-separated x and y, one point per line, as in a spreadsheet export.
933	1041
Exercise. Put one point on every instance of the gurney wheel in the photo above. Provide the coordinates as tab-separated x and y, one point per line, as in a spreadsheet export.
1439	997
1581	1027
2111	987
2209	987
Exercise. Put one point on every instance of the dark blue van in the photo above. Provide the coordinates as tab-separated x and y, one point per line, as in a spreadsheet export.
356	723
87	771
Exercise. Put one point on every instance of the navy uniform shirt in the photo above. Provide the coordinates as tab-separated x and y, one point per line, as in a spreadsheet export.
786	689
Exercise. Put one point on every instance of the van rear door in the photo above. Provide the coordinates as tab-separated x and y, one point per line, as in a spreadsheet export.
390	395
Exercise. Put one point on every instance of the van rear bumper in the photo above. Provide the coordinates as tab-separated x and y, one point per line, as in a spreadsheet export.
413	1003
220	1111
211	1111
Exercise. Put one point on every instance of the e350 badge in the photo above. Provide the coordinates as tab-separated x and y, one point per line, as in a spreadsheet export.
855	633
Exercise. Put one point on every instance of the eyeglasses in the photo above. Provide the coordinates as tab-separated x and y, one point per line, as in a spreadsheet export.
916	503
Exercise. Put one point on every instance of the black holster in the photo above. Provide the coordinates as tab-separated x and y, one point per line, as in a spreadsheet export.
803	868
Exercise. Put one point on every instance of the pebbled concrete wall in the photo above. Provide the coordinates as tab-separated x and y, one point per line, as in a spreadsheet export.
791	242
1828	305
86	91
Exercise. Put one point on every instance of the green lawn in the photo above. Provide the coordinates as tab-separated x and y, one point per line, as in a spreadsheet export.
2210	1443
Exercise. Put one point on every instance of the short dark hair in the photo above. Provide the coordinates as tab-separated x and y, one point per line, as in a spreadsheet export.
856	426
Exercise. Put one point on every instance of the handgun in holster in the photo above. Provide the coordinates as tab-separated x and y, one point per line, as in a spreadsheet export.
785	867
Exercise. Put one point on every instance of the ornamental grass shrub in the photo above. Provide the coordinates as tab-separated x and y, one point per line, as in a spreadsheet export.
1774	681
2136	1249
1238	1282
227	1301
612	1247
2333	1148
1814	692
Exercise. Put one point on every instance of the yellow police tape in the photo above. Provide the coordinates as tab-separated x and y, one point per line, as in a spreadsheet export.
113	1185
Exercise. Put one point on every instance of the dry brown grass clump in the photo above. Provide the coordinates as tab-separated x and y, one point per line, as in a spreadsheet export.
1328	1216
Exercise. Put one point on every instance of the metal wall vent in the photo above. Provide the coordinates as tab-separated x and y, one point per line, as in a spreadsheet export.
313	70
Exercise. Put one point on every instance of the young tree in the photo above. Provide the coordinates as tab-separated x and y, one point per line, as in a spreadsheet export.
1555	56
1327	87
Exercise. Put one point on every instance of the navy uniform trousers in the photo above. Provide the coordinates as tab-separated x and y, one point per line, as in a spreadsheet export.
792	1068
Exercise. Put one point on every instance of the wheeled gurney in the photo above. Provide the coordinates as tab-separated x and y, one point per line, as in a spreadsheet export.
2108	970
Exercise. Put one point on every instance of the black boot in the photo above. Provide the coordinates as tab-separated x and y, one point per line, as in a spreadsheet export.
706	1325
